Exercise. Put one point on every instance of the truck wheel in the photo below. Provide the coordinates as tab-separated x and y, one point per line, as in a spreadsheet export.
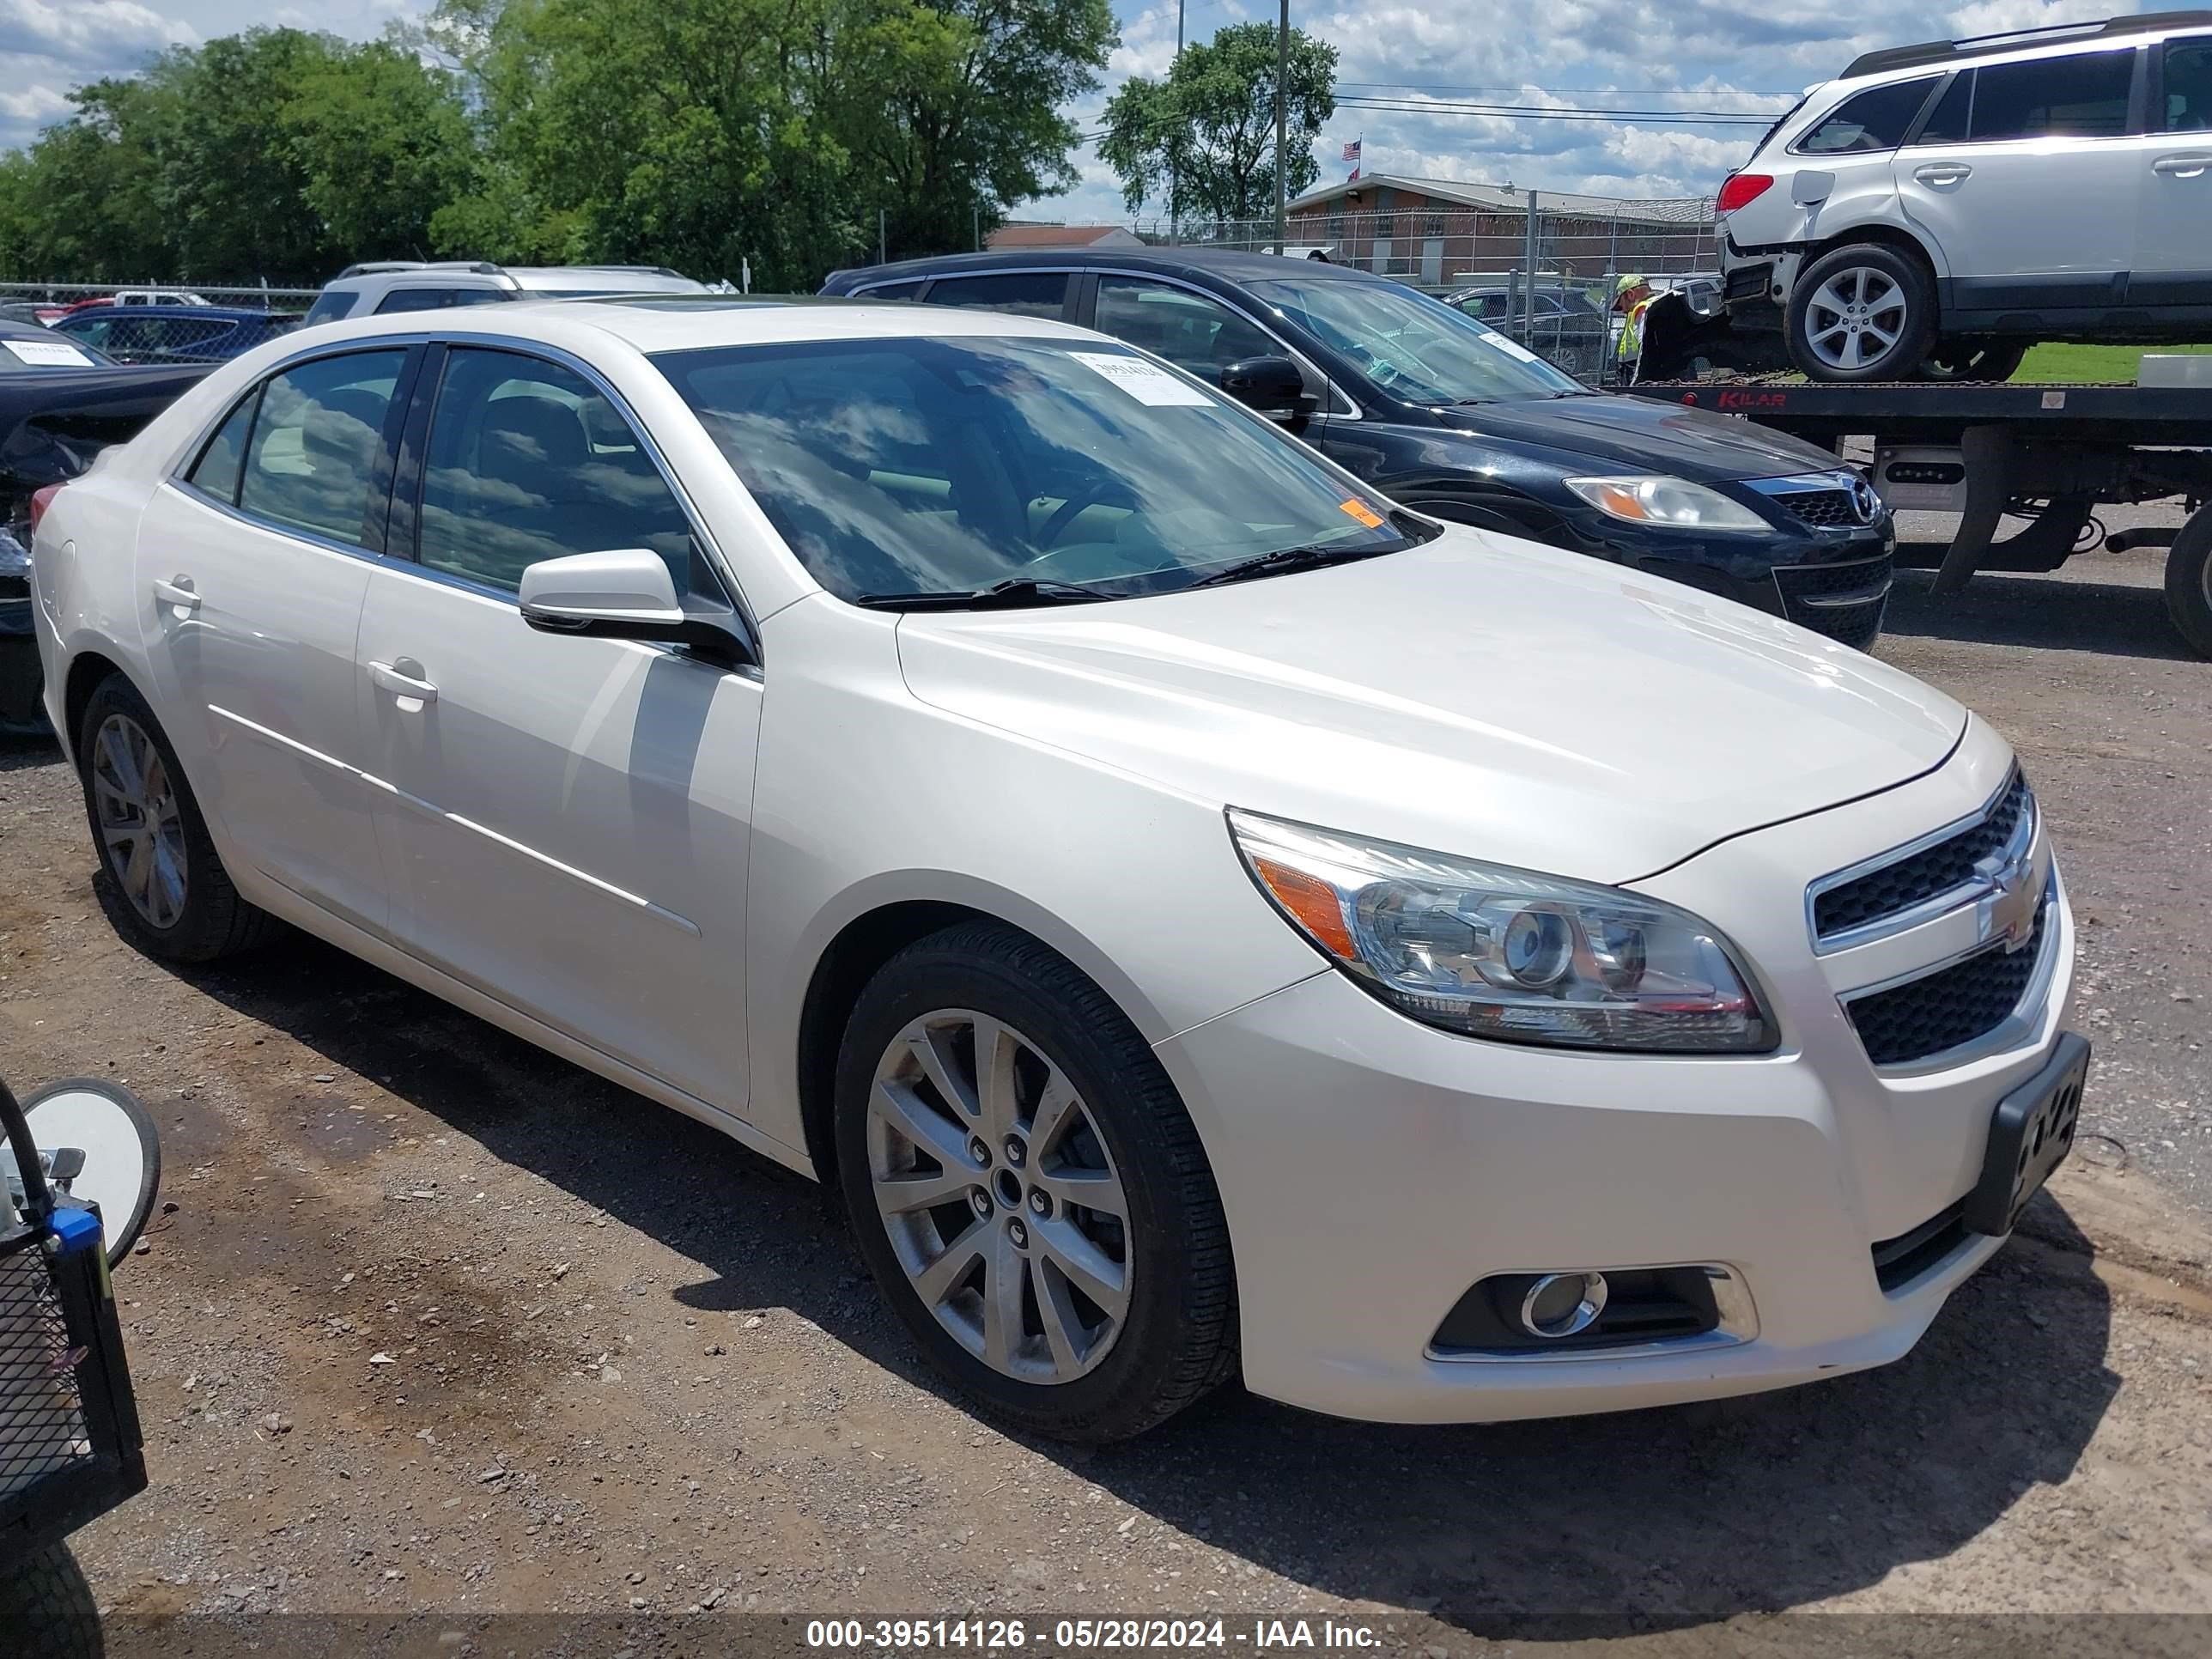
2189	581
46	1601
1863	311
1984	360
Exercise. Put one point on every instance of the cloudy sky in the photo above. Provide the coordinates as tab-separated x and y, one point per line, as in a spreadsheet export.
1691	55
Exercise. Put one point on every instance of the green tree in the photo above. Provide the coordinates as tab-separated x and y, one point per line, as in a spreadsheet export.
1205	134
379	141
950	108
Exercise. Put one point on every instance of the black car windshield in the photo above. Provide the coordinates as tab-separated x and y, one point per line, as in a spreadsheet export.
915	467
1413	347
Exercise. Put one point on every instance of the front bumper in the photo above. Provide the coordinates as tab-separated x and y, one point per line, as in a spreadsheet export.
1835	583
1373	1168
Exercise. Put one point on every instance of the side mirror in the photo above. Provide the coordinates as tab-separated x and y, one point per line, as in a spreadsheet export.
625	594
1272	385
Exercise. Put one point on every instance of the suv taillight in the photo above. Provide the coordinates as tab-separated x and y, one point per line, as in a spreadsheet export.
1742	189
41	500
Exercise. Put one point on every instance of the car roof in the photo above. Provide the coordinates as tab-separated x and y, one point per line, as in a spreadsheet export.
1229	264
2089	35
667	322
547	279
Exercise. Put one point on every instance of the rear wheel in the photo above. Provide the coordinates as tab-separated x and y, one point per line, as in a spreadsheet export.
177	899
2189	581
1028	1190
1863	311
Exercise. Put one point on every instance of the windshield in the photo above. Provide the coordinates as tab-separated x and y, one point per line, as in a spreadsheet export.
1413	347
944	466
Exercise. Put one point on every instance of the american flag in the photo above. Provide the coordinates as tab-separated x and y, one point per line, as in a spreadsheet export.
1352	154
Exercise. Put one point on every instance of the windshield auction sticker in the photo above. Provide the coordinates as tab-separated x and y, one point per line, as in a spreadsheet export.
1512	348
48	354
1148	383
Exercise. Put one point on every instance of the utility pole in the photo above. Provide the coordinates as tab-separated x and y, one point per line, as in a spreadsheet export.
1282	115
1175	161
881	257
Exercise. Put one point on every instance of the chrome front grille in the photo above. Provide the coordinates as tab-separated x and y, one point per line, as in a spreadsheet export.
1957	864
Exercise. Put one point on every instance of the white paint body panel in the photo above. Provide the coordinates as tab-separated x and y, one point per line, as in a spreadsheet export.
639	860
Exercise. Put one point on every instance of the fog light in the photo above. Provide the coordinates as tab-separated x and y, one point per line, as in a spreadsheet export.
1563	1304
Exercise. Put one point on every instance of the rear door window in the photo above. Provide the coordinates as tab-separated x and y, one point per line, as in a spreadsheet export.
311	462
2081	96
1876	120
1023	293
2189	85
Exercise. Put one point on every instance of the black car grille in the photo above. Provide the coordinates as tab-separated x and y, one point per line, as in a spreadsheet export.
1923	875
1829	508
1940	1011
1844	601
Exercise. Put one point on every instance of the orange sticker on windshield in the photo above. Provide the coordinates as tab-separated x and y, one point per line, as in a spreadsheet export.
1360	510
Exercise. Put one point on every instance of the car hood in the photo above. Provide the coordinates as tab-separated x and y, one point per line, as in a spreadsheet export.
1476	696
1638	433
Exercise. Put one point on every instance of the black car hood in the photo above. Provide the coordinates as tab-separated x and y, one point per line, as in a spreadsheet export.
1637	433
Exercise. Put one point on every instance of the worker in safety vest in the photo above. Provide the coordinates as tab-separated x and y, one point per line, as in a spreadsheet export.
1630	295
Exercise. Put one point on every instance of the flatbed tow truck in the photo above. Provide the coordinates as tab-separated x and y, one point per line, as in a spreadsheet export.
2052	455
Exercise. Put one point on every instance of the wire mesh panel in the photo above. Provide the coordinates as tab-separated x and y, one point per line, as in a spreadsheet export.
145	323
42	1419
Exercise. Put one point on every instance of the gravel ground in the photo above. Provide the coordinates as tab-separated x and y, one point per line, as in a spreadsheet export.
439	1324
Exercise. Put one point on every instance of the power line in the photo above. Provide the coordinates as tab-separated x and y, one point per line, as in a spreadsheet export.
1534	113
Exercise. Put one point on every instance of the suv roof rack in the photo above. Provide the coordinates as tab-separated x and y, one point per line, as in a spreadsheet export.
1981	45
378	267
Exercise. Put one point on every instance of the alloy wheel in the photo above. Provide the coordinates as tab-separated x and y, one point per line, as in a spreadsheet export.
140	825
1002	1202
1856	317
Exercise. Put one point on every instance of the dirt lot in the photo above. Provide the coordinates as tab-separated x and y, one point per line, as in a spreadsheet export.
439	1324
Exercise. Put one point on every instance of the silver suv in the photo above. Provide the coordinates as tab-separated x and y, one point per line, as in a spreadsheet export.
389	285
1941	208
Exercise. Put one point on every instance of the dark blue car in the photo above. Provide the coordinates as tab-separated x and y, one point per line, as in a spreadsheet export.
173	334
1458	421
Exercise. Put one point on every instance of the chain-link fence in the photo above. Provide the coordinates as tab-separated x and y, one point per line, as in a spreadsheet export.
1553	286
141	322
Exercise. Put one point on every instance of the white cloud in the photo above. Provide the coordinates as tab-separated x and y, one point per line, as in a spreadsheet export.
1751	57
94	34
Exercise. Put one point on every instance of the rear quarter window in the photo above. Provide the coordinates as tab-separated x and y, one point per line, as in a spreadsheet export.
1875	120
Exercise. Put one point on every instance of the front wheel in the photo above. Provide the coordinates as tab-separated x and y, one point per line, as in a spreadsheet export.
1028	1190
47	1607
2189	581
1863	311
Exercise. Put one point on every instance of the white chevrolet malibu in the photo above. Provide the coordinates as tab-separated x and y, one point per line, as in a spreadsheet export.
1203	917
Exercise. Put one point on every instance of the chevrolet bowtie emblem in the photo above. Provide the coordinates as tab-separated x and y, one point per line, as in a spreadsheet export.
2009	912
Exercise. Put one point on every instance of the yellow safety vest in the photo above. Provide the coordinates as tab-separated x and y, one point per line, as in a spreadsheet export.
1631	330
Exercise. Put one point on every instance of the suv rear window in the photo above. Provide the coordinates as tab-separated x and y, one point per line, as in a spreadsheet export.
329	305
2189	85
2084	96
1877	118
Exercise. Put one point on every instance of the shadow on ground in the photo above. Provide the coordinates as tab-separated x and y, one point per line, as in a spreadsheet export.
1577	1528
2117	618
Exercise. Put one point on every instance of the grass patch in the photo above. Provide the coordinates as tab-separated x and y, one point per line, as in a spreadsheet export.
2076	365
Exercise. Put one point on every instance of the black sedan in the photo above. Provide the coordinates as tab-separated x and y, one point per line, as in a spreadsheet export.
1453	418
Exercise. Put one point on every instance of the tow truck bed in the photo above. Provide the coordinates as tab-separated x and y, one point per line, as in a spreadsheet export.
2052	455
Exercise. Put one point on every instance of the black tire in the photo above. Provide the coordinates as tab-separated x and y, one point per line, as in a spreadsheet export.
1910	349
2189	581
47	1609
213	921
1991	361
1178	1340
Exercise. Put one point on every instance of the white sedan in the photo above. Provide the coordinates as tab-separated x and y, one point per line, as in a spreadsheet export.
1203	916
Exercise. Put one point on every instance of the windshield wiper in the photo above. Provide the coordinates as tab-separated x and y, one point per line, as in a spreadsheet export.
1286	559
1015	593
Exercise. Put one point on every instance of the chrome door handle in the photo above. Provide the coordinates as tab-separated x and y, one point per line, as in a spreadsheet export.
2181	167
392	678
178	592
1943	173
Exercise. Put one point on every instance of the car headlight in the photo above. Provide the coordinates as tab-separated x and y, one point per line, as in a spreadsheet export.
1674	503
1487	950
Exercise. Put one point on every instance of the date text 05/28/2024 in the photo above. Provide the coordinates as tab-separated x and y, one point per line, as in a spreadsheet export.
1083	1635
